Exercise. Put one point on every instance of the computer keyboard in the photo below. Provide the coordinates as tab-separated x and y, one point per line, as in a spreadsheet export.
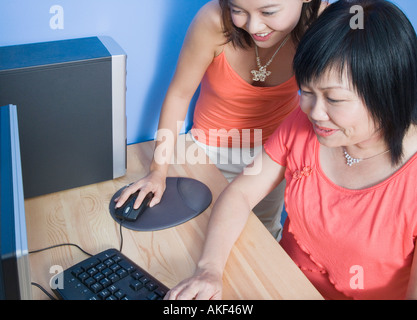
109	275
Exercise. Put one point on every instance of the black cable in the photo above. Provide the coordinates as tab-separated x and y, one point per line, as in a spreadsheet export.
43	290
51	247
70	244
121	235
61	245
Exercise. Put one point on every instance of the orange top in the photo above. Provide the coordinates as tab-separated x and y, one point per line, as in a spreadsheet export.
228	105
356	244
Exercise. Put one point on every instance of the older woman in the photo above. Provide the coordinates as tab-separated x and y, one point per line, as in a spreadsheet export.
349	156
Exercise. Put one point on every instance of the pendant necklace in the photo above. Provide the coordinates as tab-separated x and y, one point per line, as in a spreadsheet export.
350	161
262	73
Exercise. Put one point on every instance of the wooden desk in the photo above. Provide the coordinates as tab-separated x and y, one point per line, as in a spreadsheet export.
258	268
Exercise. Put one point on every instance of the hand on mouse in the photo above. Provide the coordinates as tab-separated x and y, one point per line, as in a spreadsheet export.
154	182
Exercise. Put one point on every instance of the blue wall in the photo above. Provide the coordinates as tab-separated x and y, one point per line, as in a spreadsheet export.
410	8
150	31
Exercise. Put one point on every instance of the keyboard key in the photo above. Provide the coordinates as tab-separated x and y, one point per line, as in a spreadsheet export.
127	266
119	294
83	276
77	271
92	262
144	280
101	266
89	282
104	294
114	278
153	296
96	287
105	255
136	285
151	286
122	273
112	289
92	271
98	277
106	272
115	267
137	275
105	282
108	262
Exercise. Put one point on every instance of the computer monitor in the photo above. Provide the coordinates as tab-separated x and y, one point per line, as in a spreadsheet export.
15	280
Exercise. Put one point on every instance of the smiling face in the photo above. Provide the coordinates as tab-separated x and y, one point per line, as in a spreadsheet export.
339	116
267	21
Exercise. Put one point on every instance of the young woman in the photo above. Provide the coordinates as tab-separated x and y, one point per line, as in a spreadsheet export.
349	156
241	51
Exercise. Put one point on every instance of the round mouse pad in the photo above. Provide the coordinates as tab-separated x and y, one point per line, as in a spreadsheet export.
183	200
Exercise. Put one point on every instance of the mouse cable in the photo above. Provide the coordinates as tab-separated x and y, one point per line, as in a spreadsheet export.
121	234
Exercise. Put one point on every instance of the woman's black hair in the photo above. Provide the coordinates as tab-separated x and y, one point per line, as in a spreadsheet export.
240	38
379	53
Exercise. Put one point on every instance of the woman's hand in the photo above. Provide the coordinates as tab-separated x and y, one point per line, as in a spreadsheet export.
204	285
154	182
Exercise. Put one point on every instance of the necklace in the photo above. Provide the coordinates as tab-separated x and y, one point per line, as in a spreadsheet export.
262	73
350	161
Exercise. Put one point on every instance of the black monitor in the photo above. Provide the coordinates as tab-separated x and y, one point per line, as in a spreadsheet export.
15	281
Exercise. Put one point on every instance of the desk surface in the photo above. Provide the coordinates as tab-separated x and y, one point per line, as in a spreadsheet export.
258	268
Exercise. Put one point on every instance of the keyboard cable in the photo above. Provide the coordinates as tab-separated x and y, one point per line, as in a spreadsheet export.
74	245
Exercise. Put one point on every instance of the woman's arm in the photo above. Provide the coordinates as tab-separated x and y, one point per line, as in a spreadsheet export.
228	218
203	42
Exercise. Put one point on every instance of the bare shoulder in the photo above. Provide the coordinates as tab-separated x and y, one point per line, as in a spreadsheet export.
209	18
206	30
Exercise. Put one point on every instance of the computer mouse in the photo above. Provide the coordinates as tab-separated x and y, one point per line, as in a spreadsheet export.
128	213
183	199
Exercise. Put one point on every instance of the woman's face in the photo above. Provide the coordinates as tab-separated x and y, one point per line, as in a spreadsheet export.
267	21
339	116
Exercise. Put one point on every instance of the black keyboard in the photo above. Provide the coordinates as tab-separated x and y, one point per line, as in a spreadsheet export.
109	275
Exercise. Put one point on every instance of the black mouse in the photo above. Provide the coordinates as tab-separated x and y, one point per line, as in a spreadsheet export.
128	213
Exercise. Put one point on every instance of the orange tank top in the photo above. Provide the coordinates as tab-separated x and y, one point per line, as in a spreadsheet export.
230	112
